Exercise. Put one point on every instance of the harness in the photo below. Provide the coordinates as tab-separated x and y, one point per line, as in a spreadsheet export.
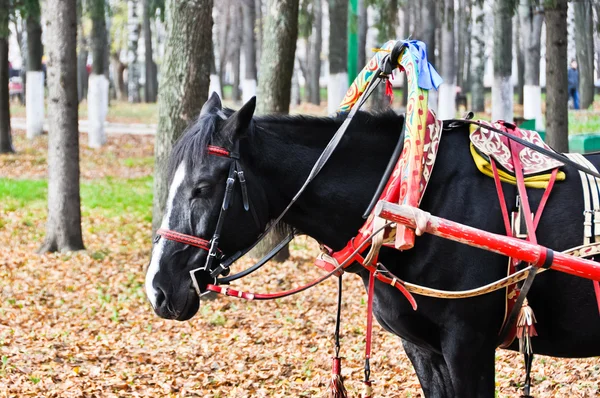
404	181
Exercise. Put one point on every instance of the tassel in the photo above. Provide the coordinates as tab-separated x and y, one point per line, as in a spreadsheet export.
336	384
367	390
525	328
389	90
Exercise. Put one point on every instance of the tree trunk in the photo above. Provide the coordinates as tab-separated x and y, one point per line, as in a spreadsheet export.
151	84
518	46
363	26
502	87
277	61
557	95
119	70
133	68
5	131
532	19
584	42
63	230
259	31
462	27
82	56
222	35
314	61
34	97
337	84
185	69
295	94
236	53
447	90
249	44
98	83
428	24
479	59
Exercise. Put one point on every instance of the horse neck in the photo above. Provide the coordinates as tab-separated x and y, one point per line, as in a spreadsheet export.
284	150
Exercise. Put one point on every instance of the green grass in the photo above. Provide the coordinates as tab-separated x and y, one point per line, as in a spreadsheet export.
584	122
111	196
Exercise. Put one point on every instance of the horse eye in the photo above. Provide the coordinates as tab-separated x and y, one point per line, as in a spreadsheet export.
200	192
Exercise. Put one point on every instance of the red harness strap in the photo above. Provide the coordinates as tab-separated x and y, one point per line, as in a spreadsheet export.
531	223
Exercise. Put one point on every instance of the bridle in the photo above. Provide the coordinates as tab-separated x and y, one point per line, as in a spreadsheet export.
236	173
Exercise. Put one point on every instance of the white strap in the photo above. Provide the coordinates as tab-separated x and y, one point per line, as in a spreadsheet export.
587	211
593	183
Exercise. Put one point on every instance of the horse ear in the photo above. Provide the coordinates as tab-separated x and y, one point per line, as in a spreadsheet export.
213	102
241	119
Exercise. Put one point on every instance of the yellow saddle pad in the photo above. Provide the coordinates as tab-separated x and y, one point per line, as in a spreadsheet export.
537	168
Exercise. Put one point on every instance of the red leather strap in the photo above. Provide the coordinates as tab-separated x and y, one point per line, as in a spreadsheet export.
501	199
185	239
540	209
218	151
597	291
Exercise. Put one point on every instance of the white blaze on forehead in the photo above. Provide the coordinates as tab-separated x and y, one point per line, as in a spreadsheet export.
157	251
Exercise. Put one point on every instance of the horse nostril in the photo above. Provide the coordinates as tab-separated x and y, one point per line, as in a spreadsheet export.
160	298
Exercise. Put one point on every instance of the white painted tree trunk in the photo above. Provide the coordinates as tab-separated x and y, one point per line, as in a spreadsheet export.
447	90
97	109
502	87
531	20
215	85
502	98
35	103
248	89
337	85
446	101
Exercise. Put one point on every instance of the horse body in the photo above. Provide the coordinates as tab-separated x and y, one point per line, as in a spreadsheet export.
451	343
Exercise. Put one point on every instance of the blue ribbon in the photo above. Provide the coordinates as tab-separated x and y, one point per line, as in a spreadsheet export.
428	76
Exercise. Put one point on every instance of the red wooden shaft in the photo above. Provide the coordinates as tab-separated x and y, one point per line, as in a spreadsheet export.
510	247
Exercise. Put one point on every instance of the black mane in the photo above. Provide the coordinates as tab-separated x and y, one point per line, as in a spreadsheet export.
205	131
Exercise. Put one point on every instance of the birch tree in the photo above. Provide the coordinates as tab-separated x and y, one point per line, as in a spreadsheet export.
185	69
584	43
34	89
502	87
337	84
63	228
5	131
249	45
447	90
427	22
133	37
557	95
531	19
314	59
98	83
235	49
479	59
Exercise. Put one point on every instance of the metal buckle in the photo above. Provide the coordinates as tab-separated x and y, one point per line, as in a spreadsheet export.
195	281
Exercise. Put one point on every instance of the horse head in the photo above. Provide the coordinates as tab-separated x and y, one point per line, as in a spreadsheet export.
203	166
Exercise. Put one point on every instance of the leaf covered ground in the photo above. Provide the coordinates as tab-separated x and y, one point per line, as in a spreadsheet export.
78	324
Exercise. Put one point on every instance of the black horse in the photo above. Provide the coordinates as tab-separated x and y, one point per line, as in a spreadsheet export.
451	343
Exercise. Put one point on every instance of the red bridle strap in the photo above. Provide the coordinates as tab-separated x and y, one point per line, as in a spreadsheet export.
185	239
218	151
